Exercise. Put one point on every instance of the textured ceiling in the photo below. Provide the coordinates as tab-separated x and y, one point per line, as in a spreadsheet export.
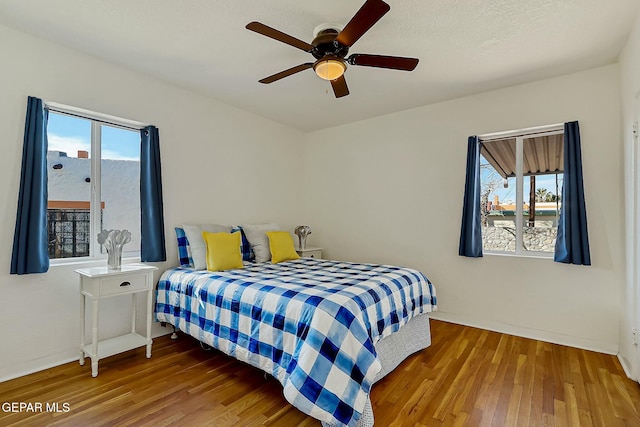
464	46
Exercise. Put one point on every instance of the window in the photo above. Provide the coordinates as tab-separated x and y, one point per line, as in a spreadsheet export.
520	197
93	168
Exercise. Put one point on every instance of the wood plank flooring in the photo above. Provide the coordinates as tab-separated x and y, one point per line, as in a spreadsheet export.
468	377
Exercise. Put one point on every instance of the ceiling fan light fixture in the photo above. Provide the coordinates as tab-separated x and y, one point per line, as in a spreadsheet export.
330	68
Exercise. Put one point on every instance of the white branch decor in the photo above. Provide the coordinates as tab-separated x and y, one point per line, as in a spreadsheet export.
113	241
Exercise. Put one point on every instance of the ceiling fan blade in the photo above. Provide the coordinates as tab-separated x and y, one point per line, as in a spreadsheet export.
286	73
278	35
365	18
339	86
382	61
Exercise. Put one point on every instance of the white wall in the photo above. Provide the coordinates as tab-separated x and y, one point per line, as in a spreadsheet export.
380	188
219	164
630	89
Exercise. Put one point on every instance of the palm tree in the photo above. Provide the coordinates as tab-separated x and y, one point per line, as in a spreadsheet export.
542	194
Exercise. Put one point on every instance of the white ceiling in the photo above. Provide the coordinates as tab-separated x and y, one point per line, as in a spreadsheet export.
464	47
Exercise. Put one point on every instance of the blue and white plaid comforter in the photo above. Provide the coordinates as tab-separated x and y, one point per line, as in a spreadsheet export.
310	323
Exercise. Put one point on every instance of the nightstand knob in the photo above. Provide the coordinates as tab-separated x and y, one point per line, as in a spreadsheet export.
125	284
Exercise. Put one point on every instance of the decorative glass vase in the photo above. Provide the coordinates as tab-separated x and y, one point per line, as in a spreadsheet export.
302	231
113	241
114	257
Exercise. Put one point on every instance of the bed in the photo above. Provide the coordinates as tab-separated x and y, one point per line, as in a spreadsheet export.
327	330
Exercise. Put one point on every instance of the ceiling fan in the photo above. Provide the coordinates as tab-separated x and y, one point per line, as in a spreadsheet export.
331	45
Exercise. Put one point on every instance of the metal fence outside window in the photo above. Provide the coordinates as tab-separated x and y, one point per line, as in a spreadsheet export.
68	232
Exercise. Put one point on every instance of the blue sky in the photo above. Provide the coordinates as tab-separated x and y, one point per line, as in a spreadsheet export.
70	134
509	194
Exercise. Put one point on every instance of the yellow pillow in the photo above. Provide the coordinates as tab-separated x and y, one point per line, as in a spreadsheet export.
223	251
281	245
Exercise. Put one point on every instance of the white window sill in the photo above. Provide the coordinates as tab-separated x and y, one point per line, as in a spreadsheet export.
535	255
88	262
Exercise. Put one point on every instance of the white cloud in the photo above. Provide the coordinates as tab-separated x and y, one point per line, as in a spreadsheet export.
71	145
114	155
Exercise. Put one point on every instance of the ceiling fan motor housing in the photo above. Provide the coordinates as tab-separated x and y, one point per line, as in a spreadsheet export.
324	44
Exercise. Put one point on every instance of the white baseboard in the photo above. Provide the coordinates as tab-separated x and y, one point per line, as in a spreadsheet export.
524	332
490	325
51	362
39	367
625	366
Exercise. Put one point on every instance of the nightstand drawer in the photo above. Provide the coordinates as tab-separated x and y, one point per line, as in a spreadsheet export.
123	284
310	252
314	254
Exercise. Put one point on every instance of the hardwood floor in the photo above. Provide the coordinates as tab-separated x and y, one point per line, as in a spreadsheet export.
468	377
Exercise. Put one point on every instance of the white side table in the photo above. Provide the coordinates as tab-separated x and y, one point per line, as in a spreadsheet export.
100	282
310	252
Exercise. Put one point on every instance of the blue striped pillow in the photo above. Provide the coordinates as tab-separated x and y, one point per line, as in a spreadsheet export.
245	247
184	250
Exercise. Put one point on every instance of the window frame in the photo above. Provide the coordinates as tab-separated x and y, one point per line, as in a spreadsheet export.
97	120
520	135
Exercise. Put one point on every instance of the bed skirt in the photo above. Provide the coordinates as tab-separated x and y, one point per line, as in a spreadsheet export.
392	350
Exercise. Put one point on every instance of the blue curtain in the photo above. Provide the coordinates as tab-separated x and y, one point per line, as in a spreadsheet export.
572	243
152	247
471	232
30	241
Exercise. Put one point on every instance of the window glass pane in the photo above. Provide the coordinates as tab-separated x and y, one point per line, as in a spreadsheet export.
498	196
120	183
69	188
543	161
539	199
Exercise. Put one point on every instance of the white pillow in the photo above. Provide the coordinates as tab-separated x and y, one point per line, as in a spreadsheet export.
196	241
257	237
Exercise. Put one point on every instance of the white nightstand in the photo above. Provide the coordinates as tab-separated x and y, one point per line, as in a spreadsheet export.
310	252
99	282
